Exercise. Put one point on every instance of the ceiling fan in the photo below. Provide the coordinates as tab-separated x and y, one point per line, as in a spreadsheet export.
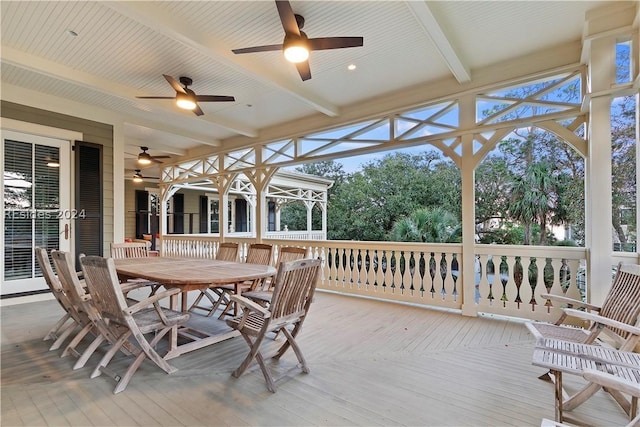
296	45
186	98
145	158
137	176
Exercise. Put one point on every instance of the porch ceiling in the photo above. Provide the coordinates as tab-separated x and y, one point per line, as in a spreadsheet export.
122	49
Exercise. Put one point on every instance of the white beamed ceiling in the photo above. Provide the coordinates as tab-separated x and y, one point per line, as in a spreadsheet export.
123	48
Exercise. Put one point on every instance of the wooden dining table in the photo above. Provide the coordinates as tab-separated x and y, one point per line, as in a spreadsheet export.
191	274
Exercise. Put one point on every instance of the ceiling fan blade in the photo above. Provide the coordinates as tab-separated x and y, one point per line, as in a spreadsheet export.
287	17
265	48
198	111
156	97
174	84
304	70
214	98
323	43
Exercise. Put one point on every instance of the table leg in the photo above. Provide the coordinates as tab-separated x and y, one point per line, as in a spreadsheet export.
173	334
183	295
558	395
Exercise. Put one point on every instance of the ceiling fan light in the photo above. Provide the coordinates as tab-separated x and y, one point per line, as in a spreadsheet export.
296	54
144	159
185	101
137	177
296	49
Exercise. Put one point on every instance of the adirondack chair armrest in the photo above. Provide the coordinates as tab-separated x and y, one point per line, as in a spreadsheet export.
635	330
152	300
572	303
251	305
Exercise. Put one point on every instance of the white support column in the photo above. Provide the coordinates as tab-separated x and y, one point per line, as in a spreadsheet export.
118	183
223	201
598	221
309	205
323	206
261	209
467	110
276	208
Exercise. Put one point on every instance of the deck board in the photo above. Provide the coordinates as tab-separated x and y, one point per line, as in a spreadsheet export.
372	363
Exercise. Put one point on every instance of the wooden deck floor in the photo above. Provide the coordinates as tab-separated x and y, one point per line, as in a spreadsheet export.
372	363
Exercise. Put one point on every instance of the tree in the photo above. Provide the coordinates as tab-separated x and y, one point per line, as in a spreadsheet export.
534	179
532	199
623	167
434	225
370	201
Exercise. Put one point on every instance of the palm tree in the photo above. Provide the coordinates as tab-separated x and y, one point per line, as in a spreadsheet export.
435	225
533	198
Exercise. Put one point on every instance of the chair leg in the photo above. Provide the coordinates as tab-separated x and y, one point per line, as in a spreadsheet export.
109	355
63	336
254	347
147	352
580	397
196	303
285	346
266	373
296	350
82	360
224	299
52	334
71	347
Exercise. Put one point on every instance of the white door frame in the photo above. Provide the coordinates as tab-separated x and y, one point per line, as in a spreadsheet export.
42	135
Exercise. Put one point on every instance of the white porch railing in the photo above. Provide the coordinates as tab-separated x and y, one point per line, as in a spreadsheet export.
508	280
296	235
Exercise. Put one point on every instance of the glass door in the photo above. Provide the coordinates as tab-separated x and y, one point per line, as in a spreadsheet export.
36	208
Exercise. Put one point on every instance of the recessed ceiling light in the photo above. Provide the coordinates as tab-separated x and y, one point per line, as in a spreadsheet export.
351	67
72	33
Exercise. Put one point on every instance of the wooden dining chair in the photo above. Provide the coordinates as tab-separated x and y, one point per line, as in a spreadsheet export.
258	253
263	294
63	328
227	251
295	284
82	303
134	250
130	324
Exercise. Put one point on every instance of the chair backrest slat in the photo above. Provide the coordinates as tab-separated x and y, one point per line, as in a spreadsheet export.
227	251
259	253
295	285
129	250
291	253
83	309
623	300
52	280
102	282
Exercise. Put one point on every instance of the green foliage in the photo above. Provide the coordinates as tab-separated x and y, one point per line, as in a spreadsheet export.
623	165
534	179
435	225
367	204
